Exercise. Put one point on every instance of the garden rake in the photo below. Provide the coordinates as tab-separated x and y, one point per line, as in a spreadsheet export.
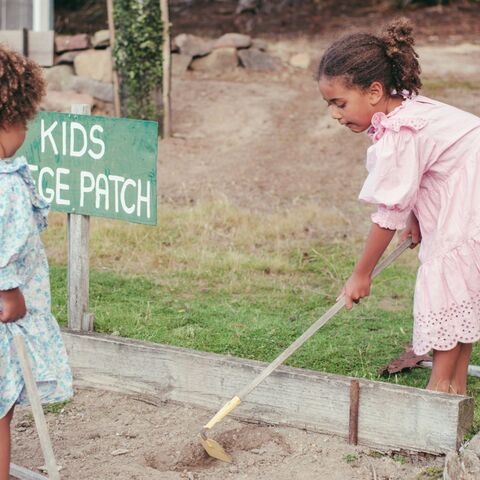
212	447
37	410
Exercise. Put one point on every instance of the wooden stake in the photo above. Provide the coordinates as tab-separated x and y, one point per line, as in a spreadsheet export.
78	261
354	404
37	409
166	74
111	28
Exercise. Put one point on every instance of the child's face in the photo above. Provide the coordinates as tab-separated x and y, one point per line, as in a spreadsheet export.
351	106
11	139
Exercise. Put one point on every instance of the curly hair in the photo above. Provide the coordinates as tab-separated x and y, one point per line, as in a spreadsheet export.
22	87
363	58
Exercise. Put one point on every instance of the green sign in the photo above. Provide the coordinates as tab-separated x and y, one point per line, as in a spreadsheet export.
97	166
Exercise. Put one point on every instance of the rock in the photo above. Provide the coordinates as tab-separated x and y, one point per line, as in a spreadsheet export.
259	44
253	59
63	43
66	57
300	60
101	90
119	451
44	469
59	77
193	45
453	467
180	64
471	464
474	444
55	101
96	64
235	40
101	39
220	60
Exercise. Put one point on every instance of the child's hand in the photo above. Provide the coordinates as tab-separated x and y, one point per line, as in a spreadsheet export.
13	307
412	229
357	287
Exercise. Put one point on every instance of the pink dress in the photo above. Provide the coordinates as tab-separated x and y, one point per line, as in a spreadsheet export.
426	158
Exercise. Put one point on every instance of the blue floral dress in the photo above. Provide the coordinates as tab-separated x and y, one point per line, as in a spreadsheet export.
23	264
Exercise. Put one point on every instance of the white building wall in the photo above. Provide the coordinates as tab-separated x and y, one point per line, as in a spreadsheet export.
16	14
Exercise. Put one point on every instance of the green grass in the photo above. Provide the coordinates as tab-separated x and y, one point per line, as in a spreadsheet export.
255	315
439	86
431	473
350	457
205	284
55	408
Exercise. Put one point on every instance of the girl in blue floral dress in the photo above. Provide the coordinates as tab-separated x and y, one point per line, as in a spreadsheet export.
24	282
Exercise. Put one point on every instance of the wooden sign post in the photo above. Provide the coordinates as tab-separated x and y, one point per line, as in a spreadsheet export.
86	165
78	235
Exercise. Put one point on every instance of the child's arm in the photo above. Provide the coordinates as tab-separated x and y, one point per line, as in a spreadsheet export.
13	305
358	285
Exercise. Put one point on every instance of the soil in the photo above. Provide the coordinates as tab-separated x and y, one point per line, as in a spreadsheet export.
263	142
105	436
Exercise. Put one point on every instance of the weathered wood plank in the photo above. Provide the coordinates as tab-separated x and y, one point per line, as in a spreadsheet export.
40	44
390	416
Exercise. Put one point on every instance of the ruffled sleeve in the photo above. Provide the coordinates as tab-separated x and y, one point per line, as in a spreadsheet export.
395	170
15	228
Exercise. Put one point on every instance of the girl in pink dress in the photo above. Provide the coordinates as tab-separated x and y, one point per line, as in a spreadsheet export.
424	176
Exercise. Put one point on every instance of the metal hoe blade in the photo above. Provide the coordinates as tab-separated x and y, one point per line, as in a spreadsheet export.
214	449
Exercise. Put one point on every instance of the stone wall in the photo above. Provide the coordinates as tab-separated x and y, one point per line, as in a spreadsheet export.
82	74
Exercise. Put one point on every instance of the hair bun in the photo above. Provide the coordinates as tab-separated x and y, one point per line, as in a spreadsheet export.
363	58
398	35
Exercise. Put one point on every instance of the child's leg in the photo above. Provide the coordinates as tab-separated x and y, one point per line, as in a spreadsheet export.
5	445
459	378
443	368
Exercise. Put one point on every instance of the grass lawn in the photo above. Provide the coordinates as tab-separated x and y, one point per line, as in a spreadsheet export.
216	278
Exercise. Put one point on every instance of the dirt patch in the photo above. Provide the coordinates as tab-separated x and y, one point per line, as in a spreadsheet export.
266	141
104	436
248	438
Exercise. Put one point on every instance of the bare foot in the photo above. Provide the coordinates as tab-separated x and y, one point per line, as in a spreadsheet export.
457	390
440	386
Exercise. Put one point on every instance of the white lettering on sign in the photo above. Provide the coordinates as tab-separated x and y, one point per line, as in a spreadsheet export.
78	127
101	189
64	135
143	198
46	176
75	140
59	186
124	194
97	141
47	133
130	209
116	179
84	188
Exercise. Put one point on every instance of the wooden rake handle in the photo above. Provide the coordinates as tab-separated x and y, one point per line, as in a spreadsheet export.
237	399
319	323
37	409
